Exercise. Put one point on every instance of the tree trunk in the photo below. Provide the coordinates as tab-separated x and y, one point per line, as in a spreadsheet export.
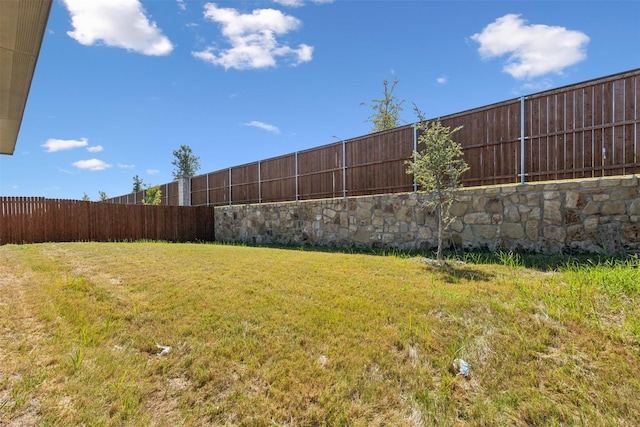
440	224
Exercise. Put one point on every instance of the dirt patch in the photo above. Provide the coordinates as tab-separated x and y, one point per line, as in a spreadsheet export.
20	330
164	402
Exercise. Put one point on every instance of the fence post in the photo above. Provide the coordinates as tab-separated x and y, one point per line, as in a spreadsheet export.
297	189
344	169
522	137
184	190
229	186
415	150
259	182
344	166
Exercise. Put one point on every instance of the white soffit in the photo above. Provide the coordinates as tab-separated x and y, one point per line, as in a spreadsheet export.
22	27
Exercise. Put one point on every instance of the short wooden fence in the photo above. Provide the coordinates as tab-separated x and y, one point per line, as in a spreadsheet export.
36	219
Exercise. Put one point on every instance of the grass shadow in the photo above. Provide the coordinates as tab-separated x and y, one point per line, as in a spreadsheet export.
453	271
531	260
538	261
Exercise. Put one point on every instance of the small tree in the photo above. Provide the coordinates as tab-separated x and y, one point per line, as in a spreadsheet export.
438	169
103	196
185	162
137	184
386	110
153	196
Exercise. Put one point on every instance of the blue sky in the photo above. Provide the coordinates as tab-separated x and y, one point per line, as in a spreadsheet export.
120	84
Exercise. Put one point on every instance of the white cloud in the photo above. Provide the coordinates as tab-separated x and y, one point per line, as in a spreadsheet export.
116	23
123	166
92	165
290	3
152	171
298	3
95	149
253	39
264	126
534	50
443	80
182	5
53	145
536	86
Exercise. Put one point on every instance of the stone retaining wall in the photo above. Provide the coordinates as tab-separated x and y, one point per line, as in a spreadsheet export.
592	215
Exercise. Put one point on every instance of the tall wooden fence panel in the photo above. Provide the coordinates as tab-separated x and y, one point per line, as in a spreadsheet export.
277	179
585	130
376	163
321	172
168	196
35	220
199	186
588	129
219	188
245	184
490	140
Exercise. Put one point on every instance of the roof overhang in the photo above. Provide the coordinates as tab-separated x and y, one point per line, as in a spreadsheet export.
22	27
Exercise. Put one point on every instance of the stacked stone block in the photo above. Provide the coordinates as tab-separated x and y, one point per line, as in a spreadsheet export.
592	215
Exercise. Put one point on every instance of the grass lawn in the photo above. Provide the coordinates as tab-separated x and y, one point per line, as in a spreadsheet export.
282	337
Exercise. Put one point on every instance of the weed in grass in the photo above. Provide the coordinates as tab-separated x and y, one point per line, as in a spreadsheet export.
86	336
509	259
107	324
76	358
127	398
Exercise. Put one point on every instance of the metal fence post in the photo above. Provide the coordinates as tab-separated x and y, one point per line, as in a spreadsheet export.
259	182
344	166
415	150
522	137
297	189
344	169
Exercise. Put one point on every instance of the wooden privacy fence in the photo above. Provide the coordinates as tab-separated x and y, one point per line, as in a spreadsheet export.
36	219
589	129
168	196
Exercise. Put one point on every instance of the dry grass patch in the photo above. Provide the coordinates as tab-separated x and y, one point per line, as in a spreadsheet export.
289	337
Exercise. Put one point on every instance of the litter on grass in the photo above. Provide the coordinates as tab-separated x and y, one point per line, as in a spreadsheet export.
164	349
461	367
